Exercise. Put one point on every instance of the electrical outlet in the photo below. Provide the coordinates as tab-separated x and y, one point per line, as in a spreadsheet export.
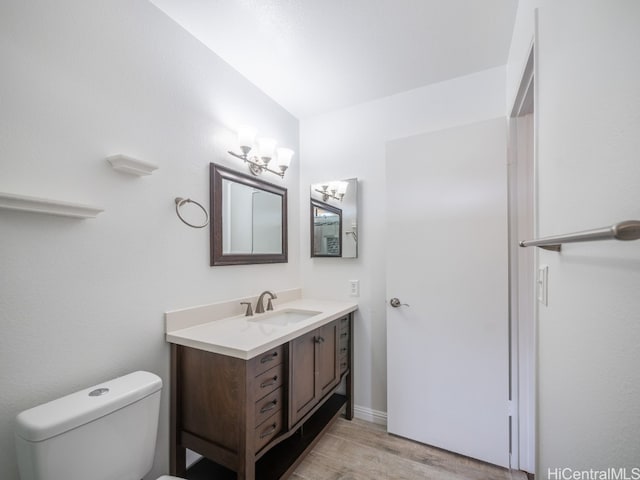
354	288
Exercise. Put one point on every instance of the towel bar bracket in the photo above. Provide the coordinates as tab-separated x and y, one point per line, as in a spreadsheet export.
552	248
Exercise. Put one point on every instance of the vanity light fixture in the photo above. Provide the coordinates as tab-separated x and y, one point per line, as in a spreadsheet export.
266	151
335	190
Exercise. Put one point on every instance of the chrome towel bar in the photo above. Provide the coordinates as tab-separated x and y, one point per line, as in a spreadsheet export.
628	230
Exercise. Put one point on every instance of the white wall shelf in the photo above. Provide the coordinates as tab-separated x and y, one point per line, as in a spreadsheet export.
12	201
130	165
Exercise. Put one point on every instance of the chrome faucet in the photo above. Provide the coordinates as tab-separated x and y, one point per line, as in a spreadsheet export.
260	304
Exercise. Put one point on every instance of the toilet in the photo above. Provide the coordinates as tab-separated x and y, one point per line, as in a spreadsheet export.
106	432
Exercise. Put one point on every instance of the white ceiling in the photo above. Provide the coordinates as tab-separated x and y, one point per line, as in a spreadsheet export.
313	56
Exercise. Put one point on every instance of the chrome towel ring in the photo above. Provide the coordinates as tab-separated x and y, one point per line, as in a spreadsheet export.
181	201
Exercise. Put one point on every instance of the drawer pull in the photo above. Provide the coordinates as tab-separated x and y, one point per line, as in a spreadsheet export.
343	365
343	350
269	358
268	383
319	339
270	431
269	406
344	334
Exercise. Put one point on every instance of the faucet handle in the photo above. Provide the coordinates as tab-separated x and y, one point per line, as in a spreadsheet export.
249	312
270	304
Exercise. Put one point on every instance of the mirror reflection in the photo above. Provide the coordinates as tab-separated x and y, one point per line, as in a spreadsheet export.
334	213
326	224
251	220
248	221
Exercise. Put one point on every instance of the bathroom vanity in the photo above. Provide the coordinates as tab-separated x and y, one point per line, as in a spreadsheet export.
254	394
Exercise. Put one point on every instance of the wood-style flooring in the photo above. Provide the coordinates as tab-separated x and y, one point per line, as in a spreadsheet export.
359	450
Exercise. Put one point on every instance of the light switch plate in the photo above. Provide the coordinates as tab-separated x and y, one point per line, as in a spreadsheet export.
542	285
354	288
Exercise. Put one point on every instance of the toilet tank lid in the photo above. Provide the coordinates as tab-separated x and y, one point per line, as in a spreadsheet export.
69	412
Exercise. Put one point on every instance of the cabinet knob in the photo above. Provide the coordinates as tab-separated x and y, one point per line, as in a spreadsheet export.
269	406
319	340
268	383
269	431
269	358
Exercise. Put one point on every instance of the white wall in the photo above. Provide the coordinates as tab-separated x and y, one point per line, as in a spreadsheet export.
588	87
351	143
82	301
588	133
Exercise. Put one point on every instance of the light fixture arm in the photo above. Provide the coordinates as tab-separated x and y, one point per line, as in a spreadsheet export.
256	167
326	194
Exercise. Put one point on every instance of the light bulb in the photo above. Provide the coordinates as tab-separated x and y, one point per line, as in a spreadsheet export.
284	158
266	148
246	137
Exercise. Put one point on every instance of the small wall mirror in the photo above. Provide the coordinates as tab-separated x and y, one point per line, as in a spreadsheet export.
248	221
334	219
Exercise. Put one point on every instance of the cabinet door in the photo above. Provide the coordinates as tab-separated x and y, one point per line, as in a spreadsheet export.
314	367
328	366
303	379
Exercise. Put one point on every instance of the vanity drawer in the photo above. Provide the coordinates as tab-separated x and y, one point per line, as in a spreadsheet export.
267	360
344	324
343	341
343	355
343	350
268	381
267	431
269	405
344	363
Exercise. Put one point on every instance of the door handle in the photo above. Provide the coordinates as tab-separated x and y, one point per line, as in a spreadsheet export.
395	303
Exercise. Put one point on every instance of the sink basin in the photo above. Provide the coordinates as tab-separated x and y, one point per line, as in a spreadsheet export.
283	318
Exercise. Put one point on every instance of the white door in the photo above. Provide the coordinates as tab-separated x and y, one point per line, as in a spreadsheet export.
448	358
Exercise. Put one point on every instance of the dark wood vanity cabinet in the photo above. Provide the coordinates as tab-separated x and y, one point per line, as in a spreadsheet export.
247	415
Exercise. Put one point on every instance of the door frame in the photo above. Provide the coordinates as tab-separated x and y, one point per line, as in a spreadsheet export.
522	143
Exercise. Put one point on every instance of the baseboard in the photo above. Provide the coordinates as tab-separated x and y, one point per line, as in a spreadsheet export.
370	415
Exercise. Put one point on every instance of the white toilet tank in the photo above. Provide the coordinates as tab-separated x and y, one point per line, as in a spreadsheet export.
106	432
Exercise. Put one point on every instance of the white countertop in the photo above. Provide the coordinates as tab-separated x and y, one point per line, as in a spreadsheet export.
245	337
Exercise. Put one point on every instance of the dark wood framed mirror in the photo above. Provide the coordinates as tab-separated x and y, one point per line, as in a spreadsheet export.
248	219
326	230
